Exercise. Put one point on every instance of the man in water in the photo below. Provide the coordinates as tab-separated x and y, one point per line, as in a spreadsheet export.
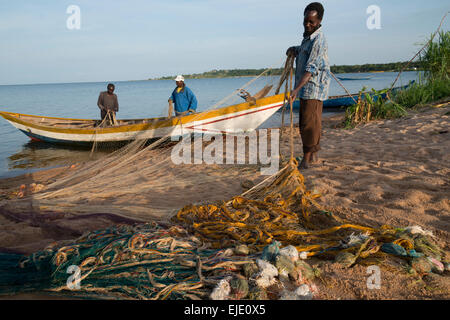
184	98
312	80
107	102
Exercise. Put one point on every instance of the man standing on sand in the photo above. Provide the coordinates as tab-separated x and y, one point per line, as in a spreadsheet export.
312	80
184	98
107	101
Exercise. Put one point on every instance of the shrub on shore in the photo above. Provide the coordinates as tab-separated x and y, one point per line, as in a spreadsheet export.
423	92
436	58
371	106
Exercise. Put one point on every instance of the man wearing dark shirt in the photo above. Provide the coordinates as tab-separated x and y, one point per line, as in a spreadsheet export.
107	101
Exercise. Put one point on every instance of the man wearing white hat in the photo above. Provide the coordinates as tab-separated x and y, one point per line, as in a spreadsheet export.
183	97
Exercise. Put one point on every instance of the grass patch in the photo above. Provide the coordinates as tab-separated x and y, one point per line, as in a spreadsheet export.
422	93
436	58
372	105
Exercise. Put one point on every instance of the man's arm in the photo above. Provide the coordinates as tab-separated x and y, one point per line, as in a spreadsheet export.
171	109
192	101
316	56
172	96
116	104
100	102
304	80
292	50
318	51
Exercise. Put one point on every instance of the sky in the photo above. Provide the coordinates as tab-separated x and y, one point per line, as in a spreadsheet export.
139	39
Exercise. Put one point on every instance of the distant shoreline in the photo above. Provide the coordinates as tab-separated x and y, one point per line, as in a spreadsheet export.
241	73
246	73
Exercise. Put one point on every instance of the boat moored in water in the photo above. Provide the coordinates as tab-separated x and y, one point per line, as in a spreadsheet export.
243	117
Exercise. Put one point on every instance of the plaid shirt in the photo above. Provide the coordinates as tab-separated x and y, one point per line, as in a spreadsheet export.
312	56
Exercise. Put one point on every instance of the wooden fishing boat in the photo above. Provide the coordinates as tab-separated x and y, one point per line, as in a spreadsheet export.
241	117
346	100
354	78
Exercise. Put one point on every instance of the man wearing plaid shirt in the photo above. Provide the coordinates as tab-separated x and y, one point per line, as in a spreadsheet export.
312	80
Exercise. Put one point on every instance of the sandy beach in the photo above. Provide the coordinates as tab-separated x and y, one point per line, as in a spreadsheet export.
394	172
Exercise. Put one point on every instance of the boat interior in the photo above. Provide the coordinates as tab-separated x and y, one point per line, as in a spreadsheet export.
80	123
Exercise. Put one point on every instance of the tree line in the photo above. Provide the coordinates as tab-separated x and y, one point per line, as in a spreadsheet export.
372	67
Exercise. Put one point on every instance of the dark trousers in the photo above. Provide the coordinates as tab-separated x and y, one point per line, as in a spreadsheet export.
311	124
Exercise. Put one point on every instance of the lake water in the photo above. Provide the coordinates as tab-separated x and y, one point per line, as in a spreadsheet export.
137	99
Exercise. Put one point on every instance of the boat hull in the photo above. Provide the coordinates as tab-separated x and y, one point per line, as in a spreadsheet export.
346	100
335	102
354	79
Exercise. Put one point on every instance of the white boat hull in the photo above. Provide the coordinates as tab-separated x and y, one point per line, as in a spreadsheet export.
233	119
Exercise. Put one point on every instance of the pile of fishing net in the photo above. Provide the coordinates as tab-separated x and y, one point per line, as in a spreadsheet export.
145	261
148	261
253	246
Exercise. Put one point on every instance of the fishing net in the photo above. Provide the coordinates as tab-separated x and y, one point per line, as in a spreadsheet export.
227	250
145	261
139	180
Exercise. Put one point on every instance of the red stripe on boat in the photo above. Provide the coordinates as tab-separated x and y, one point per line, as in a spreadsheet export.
236	116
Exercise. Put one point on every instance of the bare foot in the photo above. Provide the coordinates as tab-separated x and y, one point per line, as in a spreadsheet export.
305	161
315	158
303	164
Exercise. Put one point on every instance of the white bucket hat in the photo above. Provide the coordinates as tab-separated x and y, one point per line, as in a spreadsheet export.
179	78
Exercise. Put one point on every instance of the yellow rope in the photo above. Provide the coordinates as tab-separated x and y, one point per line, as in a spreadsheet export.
258	223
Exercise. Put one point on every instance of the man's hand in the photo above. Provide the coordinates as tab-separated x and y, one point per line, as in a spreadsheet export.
191	110
304	80
294	95
170	111
290	51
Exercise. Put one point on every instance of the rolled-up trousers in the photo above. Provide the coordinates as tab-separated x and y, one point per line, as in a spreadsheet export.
311	124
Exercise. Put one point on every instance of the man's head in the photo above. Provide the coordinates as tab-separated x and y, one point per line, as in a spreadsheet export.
110	88
179	81
313	16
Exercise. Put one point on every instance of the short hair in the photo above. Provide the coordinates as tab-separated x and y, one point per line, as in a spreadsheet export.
110	85
315	6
